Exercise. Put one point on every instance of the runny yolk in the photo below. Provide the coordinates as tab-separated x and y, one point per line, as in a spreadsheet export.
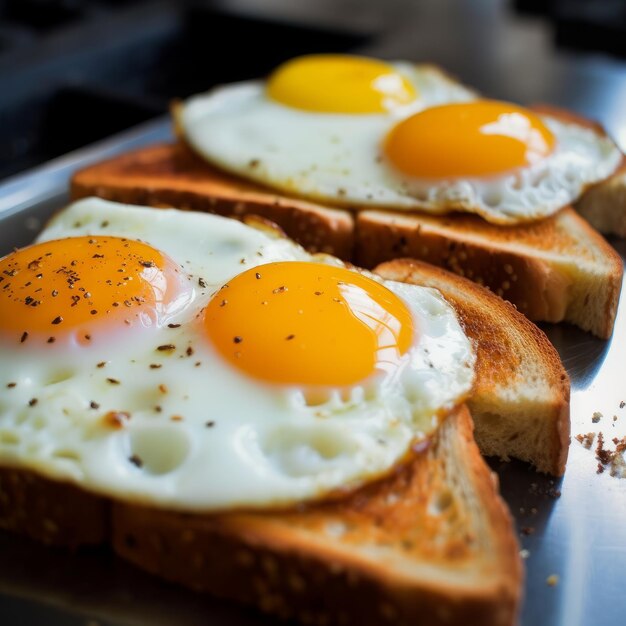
469	139
84	286
334	83
308	323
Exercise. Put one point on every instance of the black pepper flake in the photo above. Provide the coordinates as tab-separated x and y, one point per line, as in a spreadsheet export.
98	256
101	364
237	339
55	293
94	405
75	300
258	276
173	325
201	282
155	366
280	289
135	460
289	337
318	293
210	424
253	163
158	409
51	339
93	312
189	351
57	320
24	337
167	347
198	363
223	302
11	385
32	402
113	381
147	263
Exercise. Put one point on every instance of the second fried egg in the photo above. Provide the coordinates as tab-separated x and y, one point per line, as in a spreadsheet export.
359	132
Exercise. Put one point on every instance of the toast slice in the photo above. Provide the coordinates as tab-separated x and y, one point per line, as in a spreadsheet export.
431	544
171	175
520	399
557	269
553	270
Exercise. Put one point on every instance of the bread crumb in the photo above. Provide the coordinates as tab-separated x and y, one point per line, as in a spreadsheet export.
524	554
622	404
552	580
596	417
586	440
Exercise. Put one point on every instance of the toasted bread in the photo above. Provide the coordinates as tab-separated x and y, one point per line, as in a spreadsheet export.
171	175
431	544
520	399
556	269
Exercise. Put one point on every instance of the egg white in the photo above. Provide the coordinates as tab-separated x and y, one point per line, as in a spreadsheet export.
337	158
234	441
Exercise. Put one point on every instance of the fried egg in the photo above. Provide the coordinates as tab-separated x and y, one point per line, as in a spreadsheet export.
192	362
358	132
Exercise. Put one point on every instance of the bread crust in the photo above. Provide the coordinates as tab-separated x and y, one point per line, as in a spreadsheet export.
171	175
506	343
527	264
288	566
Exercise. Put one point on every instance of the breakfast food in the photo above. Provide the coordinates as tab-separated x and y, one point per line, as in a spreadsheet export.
359	132
204	318
373	176
93	452
520	400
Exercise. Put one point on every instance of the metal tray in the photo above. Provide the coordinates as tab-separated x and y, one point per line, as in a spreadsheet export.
579	537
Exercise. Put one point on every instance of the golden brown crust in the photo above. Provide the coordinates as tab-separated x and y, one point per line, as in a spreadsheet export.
503	339
507	260
50	512
170	175
289	565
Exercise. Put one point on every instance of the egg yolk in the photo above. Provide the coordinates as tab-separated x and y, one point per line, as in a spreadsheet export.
479	138
333	83
308	323
80	285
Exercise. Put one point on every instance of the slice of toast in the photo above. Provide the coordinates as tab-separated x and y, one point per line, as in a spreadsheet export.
169	175
431	544
520	399
552	270
557	269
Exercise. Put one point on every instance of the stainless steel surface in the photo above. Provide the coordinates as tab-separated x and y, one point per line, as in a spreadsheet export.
579	536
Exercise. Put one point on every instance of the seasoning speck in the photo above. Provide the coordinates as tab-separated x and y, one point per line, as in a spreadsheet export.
167	347
135	460
237	339
32	402
596	417
24	337
552	580
113	381
57	320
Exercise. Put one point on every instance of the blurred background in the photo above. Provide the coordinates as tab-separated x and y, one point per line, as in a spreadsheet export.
75	71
